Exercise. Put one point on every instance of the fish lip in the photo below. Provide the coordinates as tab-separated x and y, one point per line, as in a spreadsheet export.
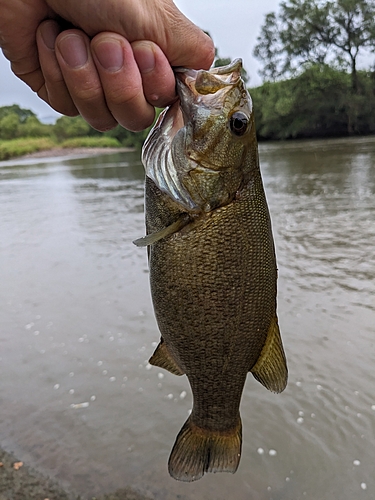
186	76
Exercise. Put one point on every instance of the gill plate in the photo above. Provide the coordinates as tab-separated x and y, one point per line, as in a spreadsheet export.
157	158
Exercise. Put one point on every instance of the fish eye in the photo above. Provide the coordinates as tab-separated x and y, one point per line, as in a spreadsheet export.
238	123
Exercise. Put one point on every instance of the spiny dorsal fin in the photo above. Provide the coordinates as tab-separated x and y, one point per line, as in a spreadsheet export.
163	358
198	450
145	241
270	368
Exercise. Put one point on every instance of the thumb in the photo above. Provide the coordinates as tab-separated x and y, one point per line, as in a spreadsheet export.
159	21
183	43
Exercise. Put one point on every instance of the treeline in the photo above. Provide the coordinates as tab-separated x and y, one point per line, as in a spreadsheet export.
16	123
320	102
309	51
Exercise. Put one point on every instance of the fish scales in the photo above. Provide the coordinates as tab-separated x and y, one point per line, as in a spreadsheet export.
213	279
228	301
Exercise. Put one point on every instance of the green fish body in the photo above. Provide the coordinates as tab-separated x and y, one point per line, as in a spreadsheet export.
212	263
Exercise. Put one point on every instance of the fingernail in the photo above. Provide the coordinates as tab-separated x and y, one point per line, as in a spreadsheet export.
110	54
49	32
73	50
144	56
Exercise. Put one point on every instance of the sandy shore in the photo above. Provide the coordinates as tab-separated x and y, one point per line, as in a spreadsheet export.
56	152
18	481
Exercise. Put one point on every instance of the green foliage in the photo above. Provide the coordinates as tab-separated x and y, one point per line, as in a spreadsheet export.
9	125
91	142
316	31
67	127
19	147
32	127
23	114
16	122
317	103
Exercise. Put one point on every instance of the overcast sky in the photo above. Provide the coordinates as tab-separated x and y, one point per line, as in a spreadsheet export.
233	24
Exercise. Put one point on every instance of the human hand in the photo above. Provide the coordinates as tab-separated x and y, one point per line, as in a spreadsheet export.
115	68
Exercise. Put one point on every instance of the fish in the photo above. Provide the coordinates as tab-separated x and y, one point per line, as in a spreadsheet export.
213	274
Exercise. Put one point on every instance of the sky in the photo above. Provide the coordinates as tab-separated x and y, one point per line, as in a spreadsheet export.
233	24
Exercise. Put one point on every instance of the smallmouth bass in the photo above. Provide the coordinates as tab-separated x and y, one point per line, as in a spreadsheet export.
212	262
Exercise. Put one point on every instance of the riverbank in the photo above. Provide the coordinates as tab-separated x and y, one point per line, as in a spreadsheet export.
42	147
18	481
89	151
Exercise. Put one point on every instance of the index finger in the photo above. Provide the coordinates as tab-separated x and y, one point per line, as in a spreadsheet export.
121	81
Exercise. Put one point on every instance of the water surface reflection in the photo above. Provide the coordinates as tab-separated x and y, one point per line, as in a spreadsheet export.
78	398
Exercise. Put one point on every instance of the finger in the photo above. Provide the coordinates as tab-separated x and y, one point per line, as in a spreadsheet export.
184	43
159	84
18	24
160	21
122	82
82	79
54	91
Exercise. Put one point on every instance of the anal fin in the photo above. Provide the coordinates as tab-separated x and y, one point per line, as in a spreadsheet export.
163	358
271	369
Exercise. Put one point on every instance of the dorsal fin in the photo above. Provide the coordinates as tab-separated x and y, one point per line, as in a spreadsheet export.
270	368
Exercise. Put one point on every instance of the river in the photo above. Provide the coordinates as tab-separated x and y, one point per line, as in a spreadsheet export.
78	399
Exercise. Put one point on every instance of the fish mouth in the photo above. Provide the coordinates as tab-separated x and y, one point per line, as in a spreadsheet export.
199	87
202	82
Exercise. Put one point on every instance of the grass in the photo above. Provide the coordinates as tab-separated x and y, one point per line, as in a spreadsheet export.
23	146
26	145
91	142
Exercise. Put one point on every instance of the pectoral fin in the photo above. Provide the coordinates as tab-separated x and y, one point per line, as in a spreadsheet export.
270	368
182	221
163	358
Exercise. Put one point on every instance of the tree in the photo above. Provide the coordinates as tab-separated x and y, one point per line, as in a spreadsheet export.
317	103
23	114
67	127
316	31
9	126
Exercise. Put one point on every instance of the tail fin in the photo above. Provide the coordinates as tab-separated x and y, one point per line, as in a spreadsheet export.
199	450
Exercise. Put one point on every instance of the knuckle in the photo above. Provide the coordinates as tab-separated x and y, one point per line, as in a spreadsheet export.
136	124
66	108
87	92
34	79
120	96
102	125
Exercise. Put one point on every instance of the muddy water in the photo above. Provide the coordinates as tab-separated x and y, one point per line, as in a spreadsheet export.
78	399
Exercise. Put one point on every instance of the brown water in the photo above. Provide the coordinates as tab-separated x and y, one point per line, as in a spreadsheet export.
78	399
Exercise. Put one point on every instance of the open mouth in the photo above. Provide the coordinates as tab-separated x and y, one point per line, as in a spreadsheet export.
207	89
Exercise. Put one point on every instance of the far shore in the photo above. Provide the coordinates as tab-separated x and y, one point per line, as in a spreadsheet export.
88	151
